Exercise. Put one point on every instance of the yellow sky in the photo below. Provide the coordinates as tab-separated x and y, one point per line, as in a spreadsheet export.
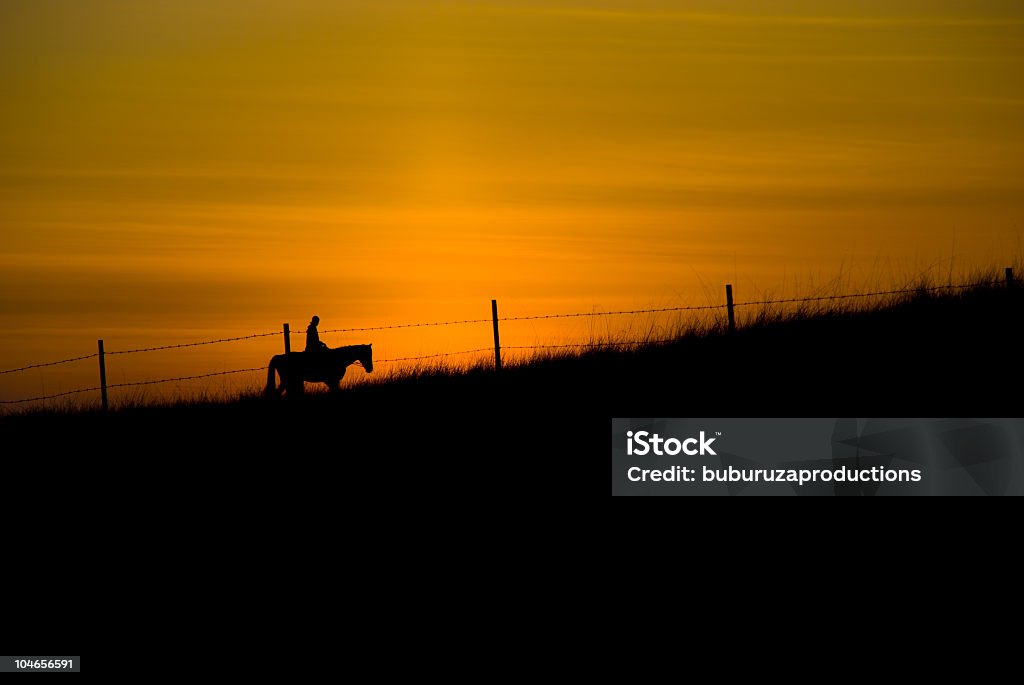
223	166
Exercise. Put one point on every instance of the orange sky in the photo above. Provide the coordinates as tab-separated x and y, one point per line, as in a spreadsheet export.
176	171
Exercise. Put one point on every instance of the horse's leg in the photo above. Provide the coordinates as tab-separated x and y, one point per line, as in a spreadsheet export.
334	384
271	389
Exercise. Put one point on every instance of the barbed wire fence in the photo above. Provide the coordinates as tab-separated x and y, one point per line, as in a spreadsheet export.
729	305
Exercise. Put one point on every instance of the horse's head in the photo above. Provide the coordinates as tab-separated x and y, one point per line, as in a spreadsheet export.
366	357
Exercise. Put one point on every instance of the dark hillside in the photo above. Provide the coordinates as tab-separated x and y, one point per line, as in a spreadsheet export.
929	353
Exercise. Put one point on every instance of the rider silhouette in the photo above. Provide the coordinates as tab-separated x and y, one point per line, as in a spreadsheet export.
313	343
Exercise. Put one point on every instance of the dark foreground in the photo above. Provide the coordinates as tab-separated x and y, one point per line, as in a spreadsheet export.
278	514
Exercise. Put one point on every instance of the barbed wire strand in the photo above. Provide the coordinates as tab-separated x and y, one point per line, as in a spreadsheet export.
601	344
870	294
194	344
430	356
624	311
186	378
208	375
62	361
48	397
127	385
400	325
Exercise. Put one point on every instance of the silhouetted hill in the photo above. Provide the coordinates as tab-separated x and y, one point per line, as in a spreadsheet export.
928	353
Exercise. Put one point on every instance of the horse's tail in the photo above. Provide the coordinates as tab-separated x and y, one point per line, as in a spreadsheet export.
271	381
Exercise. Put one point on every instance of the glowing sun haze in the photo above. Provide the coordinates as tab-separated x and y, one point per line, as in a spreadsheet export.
175	170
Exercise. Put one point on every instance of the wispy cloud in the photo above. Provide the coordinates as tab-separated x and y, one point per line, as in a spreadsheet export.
755	18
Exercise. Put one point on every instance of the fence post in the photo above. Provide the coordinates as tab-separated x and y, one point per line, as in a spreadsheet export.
728	303
497	345
287	356
1009	277
103	377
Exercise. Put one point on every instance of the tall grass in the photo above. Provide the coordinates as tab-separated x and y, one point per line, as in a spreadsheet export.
925	301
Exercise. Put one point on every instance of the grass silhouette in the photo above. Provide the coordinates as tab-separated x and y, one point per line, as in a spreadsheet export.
930	351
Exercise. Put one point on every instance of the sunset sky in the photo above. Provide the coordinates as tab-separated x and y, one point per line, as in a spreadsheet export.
178	170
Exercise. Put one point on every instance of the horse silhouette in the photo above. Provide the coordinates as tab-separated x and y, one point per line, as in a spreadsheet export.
325	366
